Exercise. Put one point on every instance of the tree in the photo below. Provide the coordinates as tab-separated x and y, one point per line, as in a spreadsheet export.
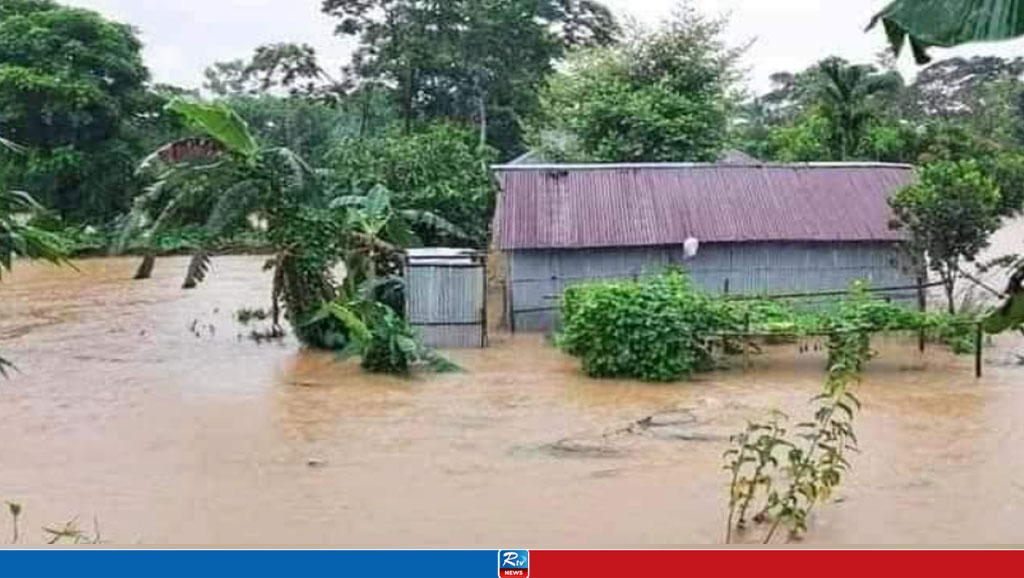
847	98
309	237
952	88
480	61
663	95
959	22
949	216
832	111
280	67
70	111
439	169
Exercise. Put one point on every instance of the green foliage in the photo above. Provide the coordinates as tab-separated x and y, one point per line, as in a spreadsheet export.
924	24
1011	315
784	474
949	215
848	99
477	61
20	240
439	169
219	122
662	329
663	95
74	113
656	329
382	338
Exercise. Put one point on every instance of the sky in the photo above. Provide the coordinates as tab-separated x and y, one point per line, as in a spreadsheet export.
183	37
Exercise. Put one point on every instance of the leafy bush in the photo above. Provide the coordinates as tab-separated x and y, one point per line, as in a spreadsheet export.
654	329
661	328
382	338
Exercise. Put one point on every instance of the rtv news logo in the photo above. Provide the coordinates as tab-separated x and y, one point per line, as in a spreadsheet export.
513	564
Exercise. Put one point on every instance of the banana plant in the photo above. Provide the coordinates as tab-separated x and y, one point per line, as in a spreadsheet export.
224	164
378	231
384	341
948	23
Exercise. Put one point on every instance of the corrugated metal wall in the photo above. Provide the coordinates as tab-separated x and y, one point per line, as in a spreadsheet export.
447	304
537	278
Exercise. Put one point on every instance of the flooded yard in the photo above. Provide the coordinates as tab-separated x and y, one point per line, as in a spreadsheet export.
144	406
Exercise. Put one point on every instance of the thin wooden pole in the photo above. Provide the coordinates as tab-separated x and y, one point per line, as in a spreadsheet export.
922	303
746	354
483	312
979	345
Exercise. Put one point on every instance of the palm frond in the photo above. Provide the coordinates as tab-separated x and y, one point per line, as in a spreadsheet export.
198	269
220	122
439	363
11	146
348	317
21	240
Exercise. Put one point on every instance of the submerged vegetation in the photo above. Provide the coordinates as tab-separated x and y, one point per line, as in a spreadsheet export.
663	328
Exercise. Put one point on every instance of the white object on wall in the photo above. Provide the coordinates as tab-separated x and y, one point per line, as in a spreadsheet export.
690	248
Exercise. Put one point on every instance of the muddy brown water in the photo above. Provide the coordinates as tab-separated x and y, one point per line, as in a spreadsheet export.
139	404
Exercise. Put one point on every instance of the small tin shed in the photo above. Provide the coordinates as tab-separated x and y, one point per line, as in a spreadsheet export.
762	229
446	296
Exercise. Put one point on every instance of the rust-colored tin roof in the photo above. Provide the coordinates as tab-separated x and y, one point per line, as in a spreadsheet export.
581	206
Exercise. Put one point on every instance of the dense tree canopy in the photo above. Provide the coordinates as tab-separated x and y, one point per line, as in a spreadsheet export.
481	61
663	95
440	169
70	84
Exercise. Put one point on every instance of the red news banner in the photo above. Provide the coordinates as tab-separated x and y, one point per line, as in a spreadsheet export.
777	563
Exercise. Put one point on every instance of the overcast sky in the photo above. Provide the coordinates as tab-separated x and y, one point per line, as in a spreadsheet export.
182	37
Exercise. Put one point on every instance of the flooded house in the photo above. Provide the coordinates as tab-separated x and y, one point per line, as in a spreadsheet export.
740	228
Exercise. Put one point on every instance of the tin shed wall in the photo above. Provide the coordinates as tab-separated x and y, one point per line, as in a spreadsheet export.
446	305
537	278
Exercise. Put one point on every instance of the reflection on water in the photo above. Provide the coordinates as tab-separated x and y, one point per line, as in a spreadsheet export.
140	403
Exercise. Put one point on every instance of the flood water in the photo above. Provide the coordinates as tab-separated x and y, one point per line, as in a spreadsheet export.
139	405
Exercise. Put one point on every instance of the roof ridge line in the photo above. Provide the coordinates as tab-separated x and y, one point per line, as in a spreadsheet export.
621	166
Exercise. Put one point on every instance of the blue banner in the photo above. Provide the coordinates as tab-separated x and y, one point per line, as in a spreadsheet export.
249	564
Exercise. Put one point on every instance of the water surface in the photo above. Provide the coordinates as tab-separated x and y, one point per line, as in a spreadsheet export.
143	406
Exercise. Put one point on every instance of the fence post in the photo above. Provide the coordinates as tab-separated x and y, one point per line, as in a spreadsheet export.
979	345
726	289
746	337
922	303
484	337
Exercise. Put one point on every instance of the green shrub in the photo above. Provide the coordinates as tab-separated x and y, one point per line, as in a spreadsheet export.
655	329
662	328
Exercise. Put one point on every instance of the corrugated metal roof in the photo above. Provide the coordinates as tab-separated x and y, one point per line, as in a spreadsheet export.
578	206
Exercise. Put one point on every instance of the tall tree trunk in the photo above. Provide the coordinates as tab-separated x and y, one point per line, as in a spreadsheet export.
483	121
407	105
949	284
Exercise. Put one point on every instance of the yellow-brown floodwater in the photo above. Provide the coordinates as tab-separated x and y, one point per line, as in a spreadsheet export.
139	405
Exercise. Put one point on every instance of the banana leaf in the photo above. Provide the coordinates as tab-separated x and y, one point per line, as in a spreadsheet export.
948	23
